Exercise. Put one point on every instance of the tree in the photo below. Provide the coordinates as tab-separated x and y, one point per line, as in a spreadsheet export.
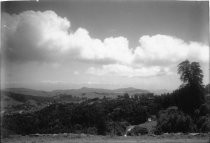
207	88
191	93
191	73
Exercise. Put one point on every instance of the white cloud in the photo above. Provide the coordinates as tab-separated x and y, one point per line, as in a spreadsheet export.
42	35
35	36
47	37
167	49
76	73
112	48
128	71
52	82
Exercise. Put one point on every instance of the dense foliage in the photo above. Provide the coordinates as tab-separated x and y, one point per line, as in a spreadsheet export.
207	88
193	113
94	116
192	90
174	120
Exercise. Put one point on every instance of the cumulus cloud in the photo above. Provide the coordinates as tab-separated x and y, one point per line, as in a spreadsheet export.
111	48
27	35
128	71
163	49
47	37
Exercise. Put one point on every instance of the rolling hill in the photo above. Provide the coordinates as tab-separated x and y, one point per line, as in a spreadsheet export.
13	99
99	92
27	91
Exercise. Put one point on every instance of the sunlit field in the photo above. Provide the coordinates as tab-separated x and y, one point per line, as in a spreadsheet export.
70	138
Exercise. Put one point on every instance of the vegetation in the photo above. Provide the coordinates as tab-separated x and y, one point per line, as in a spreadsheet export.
184	110
98	116
174	120
137	130
193	113
192	89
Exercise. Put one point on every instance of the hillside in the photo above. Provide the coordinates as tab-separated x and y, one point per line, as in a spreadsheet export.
130	90
26	91
99	92
16	99
12	102
85	92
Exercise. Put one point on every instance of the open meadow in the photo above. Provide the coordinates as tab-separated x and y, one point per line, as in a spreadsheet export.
73	138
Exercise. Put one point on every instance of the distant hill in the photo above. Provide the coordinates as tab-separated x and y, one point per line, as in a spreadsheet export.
11	101
99	92
130	90
26	91
14	99
82	92
160	91
85	92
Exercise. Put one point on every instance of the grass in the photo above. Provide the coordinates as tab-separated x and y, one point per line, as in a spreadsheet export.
72	138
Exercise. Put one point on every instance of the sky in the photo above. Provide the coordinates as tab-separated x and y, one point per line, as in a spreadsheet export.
50	45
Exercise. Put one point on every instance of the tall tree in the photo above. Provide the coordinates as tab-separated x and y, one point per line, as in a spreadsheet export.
191	92
190	73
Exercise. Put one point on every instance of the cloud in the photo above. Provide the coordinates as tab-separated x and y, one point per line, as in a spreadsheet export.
53	82
76	73
128	71
164	49
46	37
27	35
111	48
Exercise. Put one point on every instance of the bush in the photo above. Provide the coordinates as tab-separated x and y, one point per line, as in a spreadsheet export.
137	130
172	120
116	128
92	130
204	109
203	124
78	128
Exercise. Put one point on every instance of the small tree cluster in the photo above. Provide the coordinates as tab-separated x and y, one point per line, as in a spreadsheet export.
173	120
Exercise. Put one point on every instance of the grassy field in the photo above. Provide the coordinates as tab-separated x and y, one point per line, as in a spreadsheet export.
67	138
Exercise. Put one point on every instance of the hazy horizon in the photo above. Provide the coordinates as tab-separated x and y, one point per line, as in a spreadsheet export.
108	87
49	45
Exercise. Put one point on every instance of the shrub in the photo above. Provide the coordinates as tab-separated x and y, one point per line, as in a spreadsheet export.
137	130
203	124
116	128
204	109
173	120
78	128
92	130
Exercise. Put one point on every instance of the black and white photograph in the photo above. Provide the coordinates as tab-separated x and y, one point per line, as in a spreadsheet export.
105	71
